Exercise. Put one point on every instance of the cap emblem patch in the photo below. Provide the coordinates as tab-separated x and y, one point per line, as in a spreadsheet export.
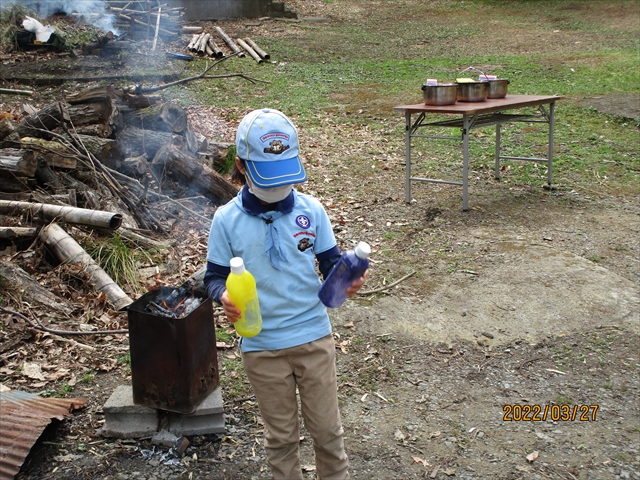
276	147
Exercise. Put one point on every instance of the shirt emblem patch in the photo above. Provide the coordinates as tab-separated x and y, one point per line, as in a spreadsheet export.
303	221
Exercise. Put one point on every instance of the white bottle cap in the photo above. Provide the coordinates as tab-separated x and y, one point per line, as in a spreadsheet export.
362	250
237	265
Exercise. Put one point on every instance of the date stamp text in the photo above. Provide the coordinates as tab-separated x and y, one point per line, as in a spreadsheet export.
555	413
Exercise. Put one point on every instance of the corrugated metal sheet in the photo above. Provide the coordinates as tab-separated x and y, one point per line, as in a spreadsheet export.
23	418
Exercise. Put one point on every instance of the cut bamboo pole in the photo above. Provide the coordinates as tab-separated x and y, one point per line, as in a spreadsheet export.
249	50
195	40
10	91
82	216
67	250
216	50
257	49
230	42
202	47
9	233
155	37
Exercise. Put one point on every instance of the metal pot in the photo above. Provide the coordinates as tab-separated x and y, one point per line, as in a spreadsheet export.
498	88
473	91
443	94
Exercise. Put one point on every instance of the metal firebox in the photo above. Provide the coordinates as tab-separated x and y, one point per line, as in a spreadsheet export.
174	361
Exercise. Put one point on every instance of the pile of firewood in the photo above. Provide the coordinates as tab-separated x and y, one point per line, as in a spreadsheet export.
205	44
108	159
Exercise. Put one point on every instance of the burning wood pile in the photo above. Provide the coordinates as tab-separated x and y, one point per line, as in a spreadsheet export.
107	159
178	304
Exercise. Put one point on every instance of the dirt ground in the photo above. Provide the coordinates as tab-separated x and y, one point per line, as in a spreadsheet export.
511	351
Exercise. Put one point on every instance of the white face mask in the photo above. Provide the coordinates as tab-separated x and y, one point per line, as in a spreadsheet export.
271	195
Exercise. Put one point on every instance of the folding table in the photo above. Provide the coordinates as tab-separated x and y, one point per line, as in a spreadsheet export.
477	115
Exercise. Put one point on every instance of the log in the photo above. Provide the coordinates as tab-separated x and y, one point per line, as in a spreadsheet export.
135	166
82	216
55	154
9	184
136	141
21	286
19	163
47	119
93	95
11	233
107	150
230	42
184	167
257	49
249	50
67	250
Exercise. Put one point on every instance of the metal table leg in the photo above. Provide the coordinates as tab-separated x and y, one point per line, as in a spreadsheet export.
465	162
497	172
407	161
552	106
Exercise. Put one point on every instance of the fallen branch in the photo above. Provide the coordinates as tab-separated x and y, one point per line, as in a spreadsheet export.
387	287
39	326
138	89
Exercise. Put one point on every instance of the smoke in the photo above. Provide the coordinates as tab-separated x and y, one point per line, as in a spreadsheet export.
93	12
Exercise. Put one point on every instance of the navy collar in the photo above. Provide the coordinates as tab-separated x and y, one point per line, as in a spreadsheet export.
254	207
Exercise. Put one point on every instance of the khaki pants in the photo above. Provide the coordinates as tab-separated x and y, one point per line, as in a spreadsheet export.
274	375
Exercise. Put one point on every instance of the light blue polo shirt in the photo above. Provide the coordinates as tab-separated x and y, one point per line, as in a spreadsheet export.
292	314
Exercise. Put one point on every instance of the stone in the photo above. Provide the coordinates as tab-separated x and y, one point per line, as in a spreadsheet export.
124	419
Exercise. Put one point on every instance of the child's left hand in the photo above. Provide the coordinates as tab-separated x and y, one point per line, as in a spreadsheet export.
357	285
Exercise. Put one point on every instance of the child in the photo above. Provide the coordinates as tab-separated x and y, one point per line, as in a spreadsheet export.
279	233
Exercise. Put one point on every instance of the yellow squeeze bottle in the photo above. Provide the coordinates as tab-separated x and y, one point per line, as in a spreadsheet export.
243	293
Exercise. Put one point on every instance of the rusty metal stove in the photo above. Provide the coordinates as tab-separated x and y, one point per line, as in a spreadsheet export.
174	361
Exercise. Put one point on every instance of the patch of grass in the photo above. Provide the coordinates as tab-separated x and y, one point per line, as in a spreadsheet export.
223	336
118	258
66	389
88	377
126	359
563	400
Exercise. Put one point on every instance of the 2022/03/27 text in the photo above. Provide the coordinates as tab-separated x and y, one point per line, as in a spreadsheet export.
555	413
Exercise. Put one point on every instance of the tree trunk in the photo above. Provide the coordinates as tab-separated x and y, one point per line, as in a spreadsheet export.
66	249
24	287
184	167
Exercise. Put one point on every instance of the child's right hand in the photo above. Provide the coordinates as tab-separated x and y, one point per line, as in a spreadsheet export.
230	309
